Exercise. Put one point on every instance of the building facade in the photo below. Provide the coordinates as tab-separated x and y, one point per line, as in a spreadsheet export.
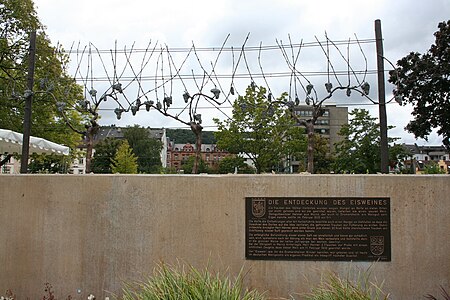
421	156
173	154
329	124
12	166
177	154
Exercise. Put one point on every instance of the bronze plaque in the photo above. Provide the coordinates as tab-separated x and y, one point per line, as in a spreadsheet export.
299	228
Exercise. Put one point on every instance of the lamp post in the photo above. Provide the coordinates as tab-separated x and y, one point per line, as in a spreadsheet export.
28	105
382	100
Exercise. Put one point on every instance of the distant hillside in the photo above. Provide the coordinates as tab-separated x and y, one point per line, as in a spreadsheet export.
184	136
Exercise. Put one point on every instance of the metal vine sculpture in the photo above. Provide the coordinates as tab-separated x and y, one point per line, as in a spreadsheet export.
158	81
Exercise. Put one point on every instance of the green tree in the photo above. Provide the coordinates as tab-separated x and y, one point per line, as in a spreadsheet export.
188	165
323	159
184	136
105	151
52	83
432	168
49	164
359	151
17	20
424	81
260	129
146	148
169	170
124	162
398	154
230	164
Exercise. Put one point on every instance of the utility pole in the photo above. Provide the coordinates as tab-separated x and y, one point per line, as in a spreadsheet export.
382	99
28	105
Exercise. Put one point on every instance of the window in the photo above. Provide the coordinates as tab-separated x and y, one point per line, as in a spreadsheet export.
322	131
6	169
304	113
323	122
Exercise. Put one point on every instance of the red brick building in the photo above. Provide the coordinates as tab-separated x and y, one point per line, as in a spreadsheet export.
178	153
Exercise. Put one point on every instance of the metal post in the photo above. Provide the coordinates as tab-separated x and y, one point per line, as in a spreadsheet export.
28	104
382	99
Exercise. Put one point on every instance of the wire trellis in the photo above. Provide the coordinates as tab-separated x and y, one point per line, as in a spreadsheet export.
157	77
178	82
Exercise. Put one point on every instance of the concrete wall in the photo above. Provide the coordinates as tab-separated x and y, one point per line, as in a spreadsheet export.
92	232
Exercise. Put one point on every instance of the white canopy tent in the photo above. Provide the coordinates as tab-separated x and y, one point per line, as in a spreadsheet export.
11	142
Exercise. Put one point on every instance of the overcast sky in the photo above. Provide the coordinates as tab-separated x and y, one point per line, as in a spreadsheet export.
407	25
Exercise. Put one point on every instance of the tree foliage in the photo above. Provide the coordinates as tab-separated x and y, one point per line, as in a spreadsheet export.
49	164
52	83
359	151
231	164
188	164
105	151
184	136
261	130
424	81
433	168
124	162
323	159
146	148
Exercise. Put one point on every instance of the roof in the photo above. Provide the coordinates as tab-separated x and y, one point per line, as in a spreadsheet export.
204	148
117	133
430	150
11	142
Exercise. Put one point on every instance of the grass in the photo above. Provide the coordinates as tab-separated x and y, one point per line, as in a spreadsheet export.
186	282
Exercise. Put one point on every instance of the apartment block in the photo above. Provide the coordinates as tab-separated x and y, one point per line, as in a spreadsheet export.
329	124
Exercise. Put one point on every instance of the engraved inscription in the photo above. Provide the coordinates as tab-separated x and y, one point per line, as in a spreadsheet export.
318	228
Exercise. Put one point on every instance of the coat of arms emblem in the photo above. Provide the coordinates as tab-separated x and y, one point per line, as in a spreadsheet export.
377	245
258	207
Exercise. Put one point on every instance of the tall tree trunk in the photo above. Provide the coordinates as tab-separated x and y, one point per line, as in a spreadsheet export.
91	132
89	148
197	130
310	150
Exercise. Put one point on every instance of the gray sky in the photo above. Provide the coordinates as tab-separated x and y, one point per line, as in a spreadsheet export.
407	26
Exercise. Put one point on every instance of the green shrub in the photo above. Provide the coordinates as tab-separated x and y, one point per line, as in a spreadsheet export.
334	287
433	168
181	283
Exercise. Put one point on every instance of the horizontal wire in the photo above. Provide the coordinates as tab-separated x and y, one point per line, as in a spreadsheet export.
229	49
230	107
238	76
